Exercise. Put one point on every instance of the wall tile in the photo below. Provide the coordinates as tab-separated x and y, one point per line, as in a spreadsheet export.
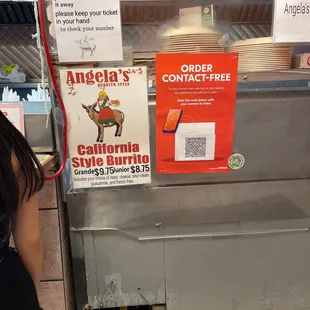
52	296
49	222
47	196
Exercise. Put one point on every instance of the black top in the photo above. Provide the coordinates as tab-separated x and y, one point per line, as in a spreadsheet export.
17	290
5	220
3	251
4	237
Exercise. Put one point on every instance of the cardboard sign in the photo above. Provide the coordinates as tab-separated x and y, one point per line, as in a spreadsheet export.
195	108
291	21
198	16
108	126
88	30
15	114
301	61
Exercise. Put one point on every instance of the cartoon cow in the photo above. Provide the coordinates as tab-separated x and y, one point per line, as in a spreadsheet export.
119	119
86	46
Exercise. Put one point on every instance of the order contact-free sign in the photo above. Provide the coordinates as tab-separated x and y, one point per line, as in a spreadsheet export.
88	30
291	21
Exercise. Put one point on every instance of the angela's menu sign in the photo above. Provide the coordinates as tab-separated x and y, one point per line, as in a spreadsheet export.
108	132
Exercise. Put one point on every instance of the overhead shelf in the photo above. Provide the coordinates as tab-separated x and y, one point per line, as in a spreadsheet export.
152	12
291	80
30	85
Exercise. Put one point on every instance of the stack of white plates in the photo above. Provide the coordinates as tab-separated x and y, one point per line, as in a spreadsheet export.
191	40
262	55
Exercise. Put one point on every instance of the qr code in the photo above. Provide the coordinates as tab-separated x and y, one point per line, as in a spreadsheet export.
195	147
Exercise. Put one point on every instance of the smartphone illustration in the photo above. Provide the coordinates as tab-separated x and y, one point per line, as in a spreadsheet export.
172	120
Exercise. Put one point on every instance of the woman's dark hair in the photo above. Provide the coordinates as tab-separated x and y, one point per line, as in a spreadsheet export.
12	142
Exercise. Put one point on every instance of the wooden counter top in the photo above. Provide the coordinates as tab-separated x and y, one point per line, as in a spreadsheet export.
47	161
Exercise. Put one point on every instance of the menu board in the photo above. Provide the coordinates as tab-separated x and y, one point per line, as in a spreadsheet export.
108	126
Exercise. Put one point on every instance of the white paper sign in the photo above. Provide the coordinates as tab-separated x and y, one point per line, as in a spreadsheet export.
291	21
108	133
15	114
88	30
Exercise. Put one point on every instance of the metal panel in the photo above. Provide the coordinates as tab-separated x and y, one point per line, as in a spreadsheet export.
244	32
270	272
254	271
18	46
79	273
221	203
128	273
114	270
272	132
37	134
142	38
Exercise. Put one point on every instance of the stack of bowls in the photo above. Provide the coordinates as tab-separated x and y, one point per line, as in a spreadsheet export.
191	40
262	55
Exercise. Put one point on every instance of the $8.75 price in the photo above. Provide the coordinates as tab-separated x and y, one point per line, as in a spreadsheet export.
140	168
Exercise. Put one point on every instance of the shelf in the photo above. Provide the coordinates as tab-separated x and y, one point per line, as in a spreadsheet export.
47	161
33	107
31	85
291	80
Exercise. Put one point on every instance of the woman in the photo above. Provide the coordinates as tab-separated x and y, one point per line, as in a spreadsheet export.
21	176
106	115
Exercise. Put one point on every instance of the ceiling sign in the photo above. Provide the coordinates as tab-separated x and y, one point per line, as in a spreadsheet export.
291	21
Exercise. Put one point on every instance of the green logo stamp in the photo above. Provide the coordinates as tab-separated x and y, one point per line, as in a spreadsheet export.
236	161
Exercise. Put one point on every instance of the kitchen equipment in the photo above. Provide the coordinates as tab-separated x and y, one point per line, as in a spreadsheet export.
38	94
9	95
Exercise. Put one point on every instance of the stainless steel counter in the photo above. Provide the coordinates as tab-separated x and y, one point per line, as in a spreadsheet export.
220	241
47	161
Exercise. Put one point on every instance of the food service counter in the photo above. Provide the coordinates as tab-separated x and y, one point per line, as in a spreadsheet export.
56	286
186	240
56	289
